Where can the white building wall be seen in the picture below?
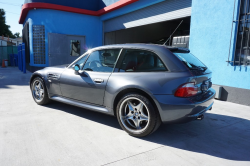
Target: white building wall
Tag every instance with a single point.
(3, 43)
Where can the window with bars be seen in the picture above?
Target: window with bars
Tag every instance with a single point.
(39, 44)
(242, 45)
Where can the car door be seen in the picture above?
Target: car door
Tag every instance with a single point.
(88, 85)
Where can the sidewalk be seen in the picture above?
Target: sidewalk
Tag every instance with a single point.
(60, 134)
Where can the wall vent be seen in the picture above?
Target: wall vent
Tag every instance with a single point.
(39, 44)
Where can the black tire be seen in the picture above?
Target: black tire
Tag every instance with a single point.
(154, 120)
(43, 100)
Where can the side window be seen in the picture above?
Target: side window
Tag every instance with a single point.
(102, 60)
(141, 61)
(81, 61)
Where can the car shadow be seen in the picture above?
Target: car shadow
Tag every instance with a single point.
(87, 114)
(220, 136)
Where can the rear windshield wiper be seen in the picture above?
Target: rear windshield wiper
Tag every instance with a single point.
(199, 68)
(204, 68)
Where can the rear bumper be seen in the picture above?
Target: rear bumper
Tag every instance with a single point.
(202, 112)
(180, 110)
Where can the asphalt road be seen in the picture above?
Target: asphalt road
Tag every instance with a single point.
(60, 134)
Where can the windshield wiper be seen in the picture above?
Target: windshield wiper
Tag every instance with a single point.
(199, 68)
(204, 68)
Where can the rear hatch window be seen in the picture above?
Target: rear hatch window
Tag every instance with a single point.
(191, 61)
(198, 69)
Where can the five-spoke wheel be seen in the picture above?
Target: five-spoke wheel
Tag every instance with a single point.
(39, 91)
(134, 114)
(137, 115)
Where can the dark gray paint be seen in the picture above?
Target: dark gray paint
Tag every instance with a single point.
(80, 104)
(82, 91)
(82, 87)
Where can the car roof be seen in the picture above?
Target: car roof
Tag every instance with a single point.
(154, 47)
(132, 45)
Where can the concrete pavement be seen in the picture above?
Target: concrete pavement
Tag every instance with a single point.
(60, 134)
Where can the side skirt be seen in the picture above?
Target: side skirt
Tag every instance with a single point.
(82, 105)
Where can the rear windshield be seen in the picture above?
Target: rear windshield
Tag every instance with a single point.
(191, 61)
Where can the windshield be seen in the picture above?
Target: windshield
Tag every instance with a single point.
(80, 61)
(191, 61)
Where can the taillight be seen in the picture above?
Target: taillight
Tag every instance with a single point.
(186, 90)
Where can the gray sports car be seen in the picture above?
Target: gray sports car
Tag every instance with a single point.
(142, 85)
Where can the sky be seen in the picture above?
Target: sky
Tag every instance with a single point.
(12, 13)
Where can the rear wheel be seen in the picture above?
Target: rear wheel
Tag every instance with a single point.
(39, 91)
(137, 116)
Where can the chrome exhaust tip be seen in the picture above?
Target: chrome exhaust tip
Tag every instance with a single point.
(200, 117)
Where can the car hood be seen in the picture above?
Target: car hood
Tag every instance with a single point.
(52, 70)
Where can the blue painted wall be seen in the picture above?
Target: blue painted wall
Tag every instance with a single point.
(210, 39)
(96, 5)
(75, 24)
(83, 4)
(209, 36)
(65, 23)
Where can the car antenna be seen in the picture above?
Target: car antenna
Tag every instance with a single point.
(173, 33)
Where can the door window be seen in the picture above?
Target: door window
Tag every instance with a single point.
(102, 60)
(141, 61)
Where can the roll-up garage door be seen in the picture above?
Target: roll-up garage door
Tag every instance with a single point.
(163, 11)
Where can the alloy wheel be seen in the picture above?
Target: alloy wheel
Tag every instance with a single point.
(134, 114)
(38, 90)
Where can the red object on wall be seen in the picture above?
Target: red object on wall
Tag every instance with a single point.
(3, 63)
(29, 6)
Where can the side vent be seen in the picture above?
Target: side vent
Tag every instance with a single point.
(52, 76)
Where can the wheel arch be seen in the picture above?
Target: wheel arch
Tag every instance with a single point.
(34, 76)
(133, 90)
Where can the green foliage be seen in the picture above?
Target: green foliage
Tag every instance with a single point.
(4, 29)
(17, 34)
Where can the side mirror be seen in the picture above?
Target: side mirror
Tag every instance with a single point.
(77, 69)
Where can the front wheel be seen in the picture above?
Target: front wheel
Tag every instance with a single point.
(137, 116)
(39, 91)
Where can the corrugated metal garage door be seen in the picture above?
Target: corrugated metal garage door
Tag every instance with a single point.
(164, 11)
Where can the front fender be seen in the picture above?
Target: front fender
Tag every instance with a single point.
(36, 74)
